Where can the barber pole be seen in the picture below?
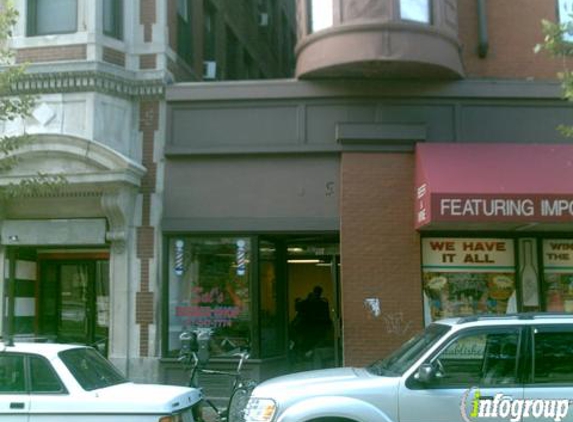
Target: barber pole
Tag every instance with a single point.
(241, 257)
(179, 253)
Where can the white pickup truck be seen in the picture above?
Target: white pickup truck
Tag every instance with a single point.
(42, 382)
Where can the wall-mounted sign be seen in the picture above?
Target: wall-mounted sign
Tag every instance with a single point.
(492, 208)
(558, 254)
(441, 253)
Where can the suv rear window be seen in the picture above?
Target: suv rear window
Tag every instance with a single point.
(90, 369)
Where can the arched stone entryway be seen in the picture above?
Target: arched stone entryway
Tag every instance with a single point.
(94, 211)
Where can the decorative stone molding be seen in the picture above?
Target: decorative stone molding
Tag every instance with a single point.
(90, 166)
(88, 81)
(118, 206)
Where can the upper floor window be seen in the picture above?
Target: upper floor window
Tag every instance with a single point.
(113, 18)
(185, 31)
(320, 14)
(565, 12)
(415, 10)
(209, 31)
(51, 17)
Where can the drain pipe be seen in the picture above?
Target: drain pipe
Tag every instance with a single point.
(483, 42)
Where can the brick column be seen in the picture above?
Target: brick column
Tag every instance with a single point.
(144, 311)
(147, 17)
(380, 254)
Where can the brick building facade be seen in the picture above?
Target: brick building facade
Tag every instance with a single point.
(89, 259)
(324, 171)
(201, 198)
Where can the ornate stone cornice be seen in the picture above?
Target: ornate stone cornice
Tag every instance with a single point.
(88, 81)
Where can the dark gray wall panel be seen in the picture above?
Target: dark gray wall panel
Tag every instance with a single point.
(321, 119)
(234, 125)
(514, 123)
(438, 119)
(276, 187)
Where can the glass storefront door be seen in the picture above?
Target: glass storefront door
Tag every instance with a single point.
(74, 301)
(313, 274)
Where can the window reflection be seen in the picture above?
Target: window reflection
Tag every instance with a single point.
(553, 357)
(209, 287)
(320, 14)
(415, 10)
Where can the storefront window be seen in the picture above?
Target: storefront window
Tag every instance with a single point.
(558, 274)
(209, 286)
(464, 276)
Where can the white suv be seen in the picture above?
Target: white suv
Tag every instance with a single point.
(491, 368)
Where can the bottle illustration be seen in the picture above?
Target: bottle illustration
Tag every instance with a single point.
(529, 276)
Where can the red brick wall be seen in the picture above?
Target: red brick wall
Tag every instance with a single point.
(148, 61)
(514, 28)
(380, 254)
(144, 311)
(147, 17)
(51, 54)
(113, 56)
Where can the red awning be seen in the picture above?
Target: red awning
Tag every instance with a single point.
(521, 183)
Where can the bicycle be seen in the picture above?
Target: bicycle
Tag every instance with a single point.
(195, 355)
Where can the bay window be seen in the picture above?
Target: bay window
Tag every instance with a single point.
(51, 17)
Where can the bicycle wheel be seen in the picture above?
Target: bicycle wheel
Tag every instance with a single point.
(237, 404)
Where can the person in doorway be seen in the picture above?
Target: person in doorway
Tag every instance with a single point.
(315, 323)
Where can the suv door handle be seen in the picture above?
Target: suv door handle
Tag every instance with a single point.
(16, 405)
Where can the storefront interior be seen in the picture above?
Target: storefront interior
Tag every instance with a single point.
(59, 295)
(245, 289)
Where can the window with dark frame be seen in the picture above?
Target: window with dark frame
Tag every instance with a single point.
(553, 356)
(47, 17)
(185, 31)
(113, 18)
(209, 31)
(12, 375)
(43, 379)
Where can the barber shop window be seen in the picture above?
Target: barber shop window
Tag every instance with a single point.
(51, 17)
(416, 10)
(113, 18)
(209, 287)
(319, 15)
